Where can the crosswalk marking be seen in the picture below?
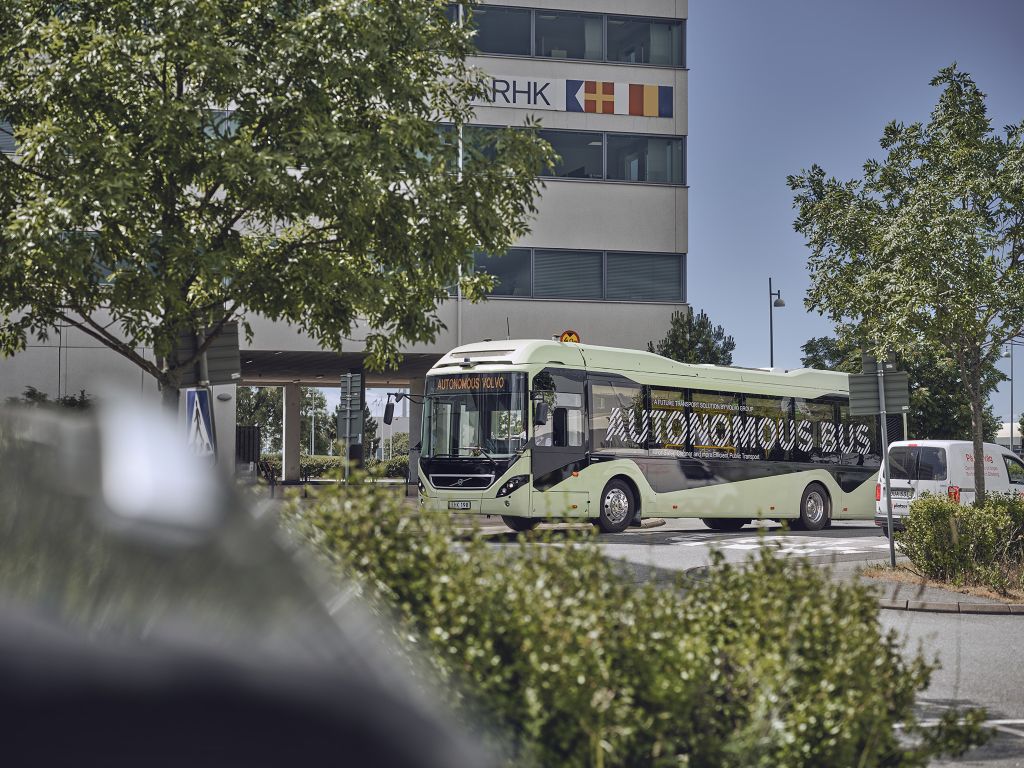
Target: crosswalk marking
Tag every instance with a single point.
(788, 546)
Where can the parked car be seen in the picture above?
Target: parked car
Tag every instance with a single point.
(945, 468)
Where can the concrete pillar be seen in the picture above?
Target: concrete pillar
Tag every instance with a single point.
(290, 433)
(224, 418)
(415, 420)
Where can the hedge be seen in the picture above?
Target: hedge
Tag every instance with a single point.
(967, 545)
(330, 466)
(562, 660)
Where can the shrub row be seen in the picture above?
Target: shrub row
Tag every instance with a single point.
(325, 466)
(559, 652)
(967, 545)
(309, 466)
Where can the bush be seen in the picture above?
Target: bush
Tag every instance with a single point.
(966, 545)
(770, 664)
(309, 466)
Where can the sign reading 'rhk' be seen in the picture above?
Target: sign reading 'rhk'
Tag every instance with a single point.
(595, 96)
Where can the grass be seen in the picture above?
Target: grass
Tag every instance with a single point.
(905, 574)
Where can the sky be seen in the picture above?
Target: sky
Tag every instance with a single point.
(778, 85)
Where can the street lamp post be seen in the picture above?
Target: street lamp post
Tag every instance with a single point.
(774, 300)
(1011, 344)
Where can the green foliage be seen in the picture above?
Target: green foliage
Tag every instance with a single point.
(396, 466)
(397, 445)
(573, 664)
(370, 439)
(34, 397)
(694, 339)
(940, 408)
(309, 466)
(967, 545)
(928, 245)
(139, 209)
(263, 407)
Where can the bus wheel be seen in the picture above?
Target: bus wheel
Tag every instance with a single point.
(815, 508)
(520, 524)
(617, 507)
(724, 523)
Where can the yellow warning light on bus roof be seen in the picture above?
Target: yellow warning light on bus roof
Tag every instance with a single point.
(570, 335)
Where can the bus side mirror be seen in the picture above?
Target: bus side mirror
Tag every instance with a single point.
(389, 413)
(541, 412)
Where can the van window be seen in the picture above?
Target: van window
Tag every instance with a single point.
(1015, 469)
(917, 463)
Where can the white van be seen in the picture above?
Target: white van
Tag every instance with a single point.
(942, 467)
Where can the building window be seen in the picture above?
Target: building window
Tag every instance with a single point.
(645, 158)
(568, 275)
(511, 272)
(6, 138)
(645, 41)
(502, 30)
(645, 277)
(581, 154)
(570, 35)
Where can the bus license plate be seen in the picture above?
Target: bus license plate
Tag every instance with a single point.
(460, 505)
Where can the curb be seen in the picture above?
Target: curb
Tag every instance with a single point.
(996, 609)
(699, 573)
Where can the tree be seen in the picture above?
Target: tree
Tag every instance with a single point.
(34, 397)
(693, 339)
(928, 247)
(939, 406)
(264, 407)
(182, 164)
(370, 439)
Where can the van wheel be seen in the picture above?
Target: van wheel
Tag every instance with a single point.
(724, 523)
(885, 531)
(815, 509)
(520, 524)
(618, 507)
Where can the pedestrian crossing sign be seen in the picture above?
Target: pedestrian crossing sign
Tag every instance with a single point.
(199, 421)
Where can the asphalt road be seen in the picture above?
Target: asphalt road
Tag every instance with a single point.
(980, 656)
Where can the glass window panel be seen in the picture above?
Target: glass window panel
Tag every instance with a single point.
(711, 424)
(6, 138)
(645, 277)
(645, 158)
(511, 272)
(1015, 470)
(858, 439)
(502, 30)
(643, 41)
(567, 275)
(668, 419)
(817, 437)
(570, 35)
(618, 419)
(580, 154)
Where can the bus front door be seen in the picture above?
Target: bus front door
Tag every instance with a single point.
(559, 444)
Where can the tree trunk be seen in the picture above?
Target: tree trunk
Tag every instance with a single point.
(169, 396)
(977, 430)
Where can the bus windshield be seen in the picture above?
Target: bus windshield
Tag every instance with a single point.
(470, 415)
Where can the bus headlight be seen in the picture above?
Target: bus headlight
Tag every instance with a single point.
(512, 484)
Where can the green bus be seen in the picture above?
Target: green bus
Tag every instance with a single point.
(536, 430)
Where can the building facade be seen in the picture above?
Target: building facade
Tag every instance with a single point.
(606, 255)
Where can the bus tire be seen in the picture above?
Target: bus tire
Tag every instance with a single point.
(617, 507)
(520, 524)
(815, 509)
(724, 523)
